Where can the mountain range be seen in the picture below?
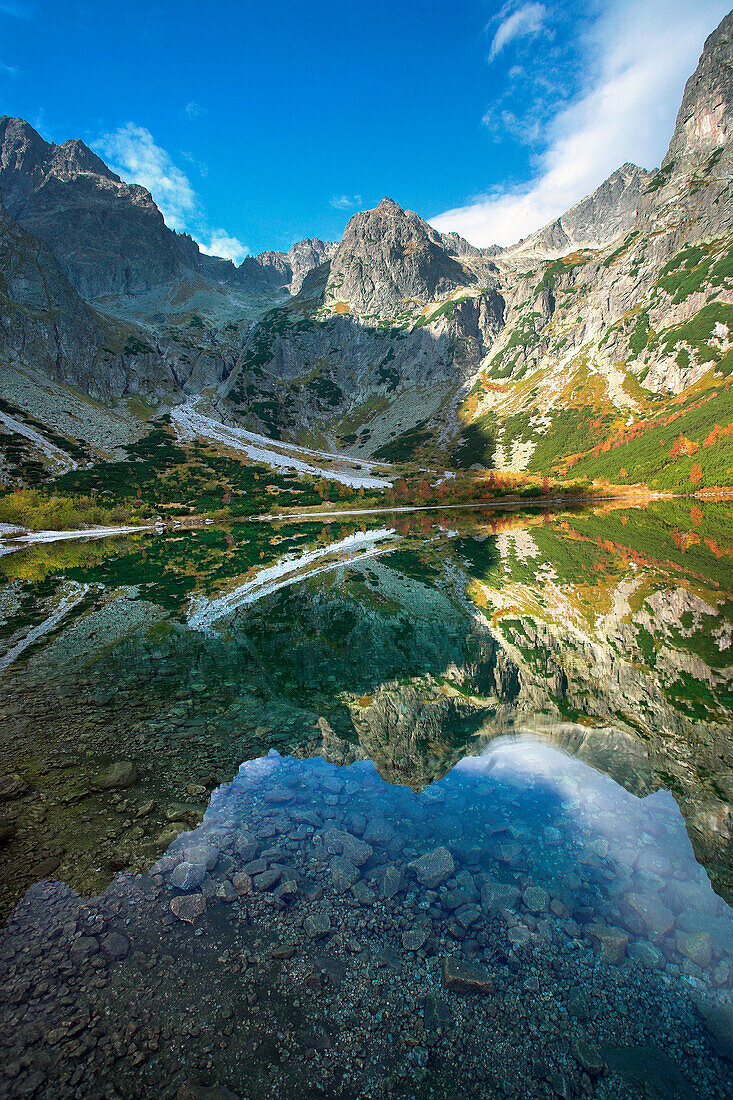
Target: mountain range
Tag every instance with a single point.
(599, 346)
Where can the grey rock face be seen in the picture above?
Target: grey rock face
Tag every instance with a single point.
(292, 267)
(45, 323)
(704, 121)
(388, 255)
(596, 220)
(108, 236)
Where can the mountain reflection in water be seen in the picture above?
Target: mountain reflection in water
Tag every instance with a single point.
(481, 836)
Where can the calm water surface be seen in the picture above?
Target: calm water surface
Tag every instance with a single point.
(431, 806)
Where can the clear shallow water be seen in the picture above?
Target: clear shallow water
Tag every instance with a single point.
(444, 823)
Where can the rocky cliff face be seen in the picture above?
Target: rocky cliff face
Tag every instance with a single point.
(704, 121)
(390, 256)
(293, 266)
(43, 321)
(609, 211)
(108, 236)
(557, 353)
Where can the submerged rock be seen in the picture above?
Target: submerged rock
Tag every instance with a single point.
(415, 938)
(696, 946)
(536, 899)
(610, 941)
(343, 873)
(588, 1058)
(187, 876)
(189, 907)
(116, 777)
(317, 925)
(434, 868)
(344, 844)
(718, 1016)
(462, 976)
(115, 945)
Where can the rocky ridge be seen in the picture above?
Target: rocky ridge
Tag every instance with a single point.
(401, 342)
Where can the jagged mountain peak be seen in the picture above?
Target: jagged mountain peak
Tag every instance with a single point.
(593, 222)
(388, 205)
(73, 157)
(389, 255)
(704, 120)
(25, 152)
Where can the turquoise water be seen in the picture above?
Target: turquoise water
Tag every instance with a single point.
(436, 810)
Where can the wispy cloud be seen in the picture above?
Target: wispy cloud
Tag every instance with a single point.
(524, 21)
(16, 10)
(193, 111)
(9, 70)
(221, 244)
(638, 54)
(345, 202)
(200, 165)
(132, 152)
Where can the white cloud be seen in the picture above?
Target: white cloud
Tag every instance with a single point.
(193, 110)
(523, 22)
(132, 153)
(345, 202)
(640, 53)
(221, 244)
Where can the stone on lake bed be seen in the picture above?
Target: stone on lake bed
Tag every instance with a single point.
(536, 899)
(467, 915)
(343, 873)
(83, 948)
(189, 907)
(718, 1016)
(696, 946)
(246, 848)
(646, 955)
(362, 893)
(611, 942)
(187, 876)
(115, 945)
(279, 796)
(499, 895)
(242, 883)
(588, 1058)
(317, 925)
(378, 831)
(647, 913)
(463, 976)
(202, 853)
(391, 881)
(267, 879)
(116, 777)
(256, 866)
(342, 843)
(415, 938)
(434, 868)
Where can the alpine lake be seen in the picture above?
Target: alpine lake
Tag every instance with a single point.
(423, 805)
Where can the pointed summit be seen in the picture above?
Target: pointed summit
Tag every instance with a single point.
(389, 254)
(704, 120)
(74, 157)
(388, 205)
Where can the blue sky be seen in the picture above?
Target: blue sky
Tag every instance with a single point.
(257, 125)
